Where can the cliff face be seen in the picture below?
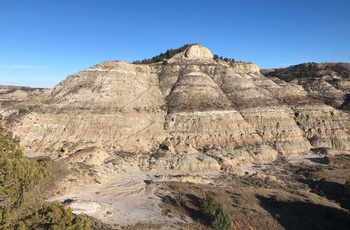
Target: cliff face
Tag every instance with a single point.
(191, 104)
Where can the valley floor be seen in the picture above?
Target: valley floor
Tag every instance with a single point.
(299, 192)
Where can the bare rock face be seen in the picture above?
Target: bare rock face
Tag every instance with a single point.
(324, 126)
(196, 113)
(113, 103)
(196, 51)
(277, 128)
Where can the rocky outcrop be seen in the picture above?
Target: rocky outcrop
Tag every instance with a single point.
(324, 126)
(211, 130)
(194, 51)
(277, 128)
(198, 113)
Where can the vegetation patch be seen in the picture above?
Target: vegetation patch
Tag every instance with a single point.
(310, 71)
(163, 56)
(222, 220)
(281, 196)
(277, 200)
(209, 204)
(20, 179)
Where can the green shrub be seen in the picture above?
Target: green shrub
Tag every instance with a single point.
(19, 177)
(222, 220)
(181, 200)
(52, 215)
(277, 200)
(209, 204)
(22, 111)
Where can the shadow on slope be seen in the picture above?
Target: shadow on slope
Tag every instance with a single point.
(304, 215)
(328, 189)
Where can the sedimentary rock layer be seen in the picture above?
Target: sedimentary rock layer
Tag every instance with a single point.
(190, 104)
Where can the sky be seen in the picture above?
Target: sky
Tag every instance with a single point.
(42, 42)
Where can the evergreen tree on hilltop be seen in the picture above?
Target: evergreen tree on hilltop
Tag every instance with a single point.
(167, 55)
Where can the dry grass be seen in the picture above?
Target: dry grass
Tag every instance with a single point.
(303, 196)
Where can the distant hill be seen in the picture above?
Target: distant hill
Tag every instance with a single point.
(327, 82)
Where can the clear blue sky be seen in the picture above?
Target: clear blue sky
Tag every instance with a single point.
(43, 41)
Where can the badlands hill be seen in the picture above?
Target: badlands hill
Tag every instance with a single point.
(117, 122)
(191, 104)
(327, 82)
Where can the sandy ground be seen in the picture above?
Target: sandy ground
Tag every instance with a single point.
(127, 198)
(252, 168)
(122, 200)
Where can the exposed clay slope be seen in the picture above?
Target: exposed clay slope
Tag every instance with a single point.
(115, 104)
(325, 127)
(190, 104)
